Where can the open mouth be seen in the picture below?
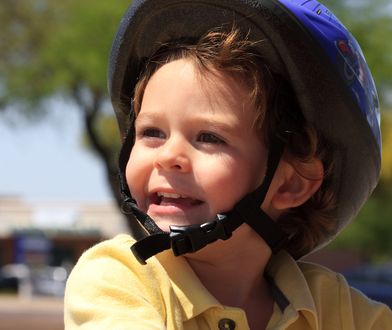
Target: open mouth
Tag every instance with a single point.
(173, 199)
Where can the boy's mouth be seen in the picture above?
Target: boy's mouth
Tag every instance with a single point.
(173, 199)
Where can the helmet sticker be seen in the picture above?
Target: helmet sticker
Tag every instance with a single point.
(355, 72)
(345, 54)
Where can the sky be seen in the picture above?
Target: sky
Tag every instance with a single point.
(45, 160)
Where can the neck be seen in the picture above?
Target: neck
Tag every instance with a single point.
(234, 273)
(232, 285)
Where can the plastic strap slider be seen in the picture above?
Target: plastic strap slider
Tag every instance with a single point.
(186, 239)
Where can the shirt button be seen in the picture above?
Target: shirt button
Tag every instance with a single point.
(226, 324)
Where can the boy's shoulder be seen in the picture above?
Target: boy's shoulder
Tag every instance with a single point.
(114, 256)
(116, 250)
(326, 295)
(111, 264)
(314, 273)
(326, 285)
(332, 293)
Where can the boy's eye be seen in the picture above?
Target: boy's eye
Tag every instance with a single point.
(210, 138)
(153, 133)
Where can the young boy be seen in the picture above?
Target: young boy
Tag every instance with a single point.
(253, 138)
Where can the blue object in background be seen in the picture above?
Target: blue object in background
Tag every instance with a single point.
(374, 281)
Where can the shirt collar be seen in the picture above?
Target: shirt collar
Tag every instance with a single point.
(282, 268)
(288, 277)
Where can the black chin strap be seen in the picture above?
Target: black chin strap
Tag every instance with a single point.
(188, 239)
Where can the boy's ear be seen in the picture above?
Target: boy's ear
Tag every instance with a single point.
(296, 182)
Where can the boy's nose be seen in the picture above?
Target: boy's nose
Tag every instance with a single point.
(173, 155)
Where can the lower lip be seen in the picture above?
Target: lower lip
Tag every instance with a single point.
(171, 209)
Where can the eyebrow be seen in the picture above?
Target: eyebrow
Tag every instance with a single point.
(147, 116)
(220, 125)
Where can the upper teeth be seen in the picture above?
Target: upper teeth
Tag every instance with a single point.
(168, 195)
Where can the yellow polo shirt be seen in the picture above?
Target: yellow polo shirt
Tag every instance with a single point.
(109, 289)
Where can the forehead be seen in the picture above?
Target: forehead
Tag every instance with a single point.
(215, 85)
(181, 85)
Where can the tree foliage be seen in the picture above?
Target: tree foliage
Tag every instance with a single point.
(61, 48)
(370, 232)
(56, 47)
(386, 127)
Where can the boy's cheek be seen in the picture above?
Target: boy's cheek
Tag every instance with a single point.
(133, 181)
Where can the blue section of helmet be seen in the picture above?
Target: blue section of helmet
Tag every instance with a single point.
(344, 53)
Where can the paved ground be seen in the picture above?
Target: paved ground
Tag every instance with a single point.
(32, 314)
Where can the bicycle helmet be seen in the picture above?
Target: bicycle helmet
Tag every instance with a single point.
(307, 45)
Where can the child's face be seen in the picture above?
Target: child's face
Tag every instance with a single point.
(196, 153)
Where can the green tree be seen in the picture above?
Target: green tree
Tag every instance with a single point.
(386, 127)
(370, 232)
(60, 49)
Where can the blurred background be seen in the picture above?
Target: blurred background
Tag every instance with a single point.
(59, 146)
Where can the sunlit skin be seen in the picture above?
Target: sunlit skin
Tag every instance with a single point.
(196, 152)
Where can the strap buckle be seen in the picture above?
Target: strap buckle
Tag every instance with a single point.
(187, 239)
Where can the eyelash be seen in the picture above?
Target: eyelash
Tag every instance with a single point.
(212, 138)
(151, 133)
(203, 137)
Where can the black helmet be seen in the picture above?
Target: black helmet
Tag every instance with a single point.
(316, 54)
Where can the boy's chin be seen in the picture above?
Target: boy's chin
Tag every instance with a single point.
(164, 222)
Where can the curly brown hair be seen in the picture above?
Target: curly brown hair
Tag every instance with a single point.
(274, 101)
